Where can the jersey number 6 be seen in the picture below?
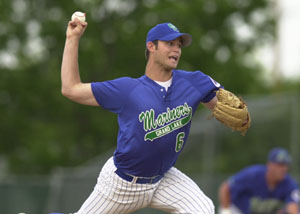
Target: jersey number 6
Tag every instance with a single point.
(179, 141)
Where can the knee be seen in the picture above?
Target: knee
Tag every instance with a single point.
(206, 206)
(210, 207)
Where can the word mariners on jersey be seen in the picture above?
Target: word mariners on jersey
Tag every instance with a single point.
(179, 116)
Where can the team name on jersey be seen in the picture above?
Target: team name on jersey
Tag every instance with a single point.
(268, 206)
(156, 127)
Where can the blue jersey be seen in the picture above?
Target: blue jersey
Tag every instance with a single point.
(250, 193)
(153, 123)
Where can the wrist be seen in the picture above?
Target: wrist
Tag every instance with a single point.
(73, 38)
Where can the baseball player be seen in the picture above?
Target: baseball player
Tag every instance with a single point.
(154, 117)
(258, 189)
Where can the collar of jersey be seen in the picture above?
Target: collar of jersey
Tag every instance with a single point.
(152, 82)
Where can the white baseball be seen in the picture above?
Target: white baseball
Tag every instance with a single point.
(79, 15)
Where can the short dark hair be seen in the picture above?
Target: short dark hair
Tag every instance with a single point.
(147, 52)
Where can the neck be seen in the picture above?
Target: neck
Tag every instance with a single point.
(157, 73)
(271, 182)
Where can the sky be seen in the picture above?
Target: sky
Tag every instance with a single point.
(284, 57)
(289, 38)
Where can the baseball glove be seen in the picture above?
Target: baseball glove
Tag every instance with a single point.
(232, 111)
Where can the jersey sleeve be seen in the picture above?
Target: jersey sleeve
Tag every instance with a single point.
(112, 94)
(293, 194)
(206, 85)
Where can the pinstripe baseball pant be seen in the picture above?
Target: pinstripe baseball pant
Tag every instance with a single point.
(174, 193)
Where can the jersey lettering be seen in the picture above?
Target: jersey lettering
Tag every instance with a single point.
(267, 206)
(175, 118)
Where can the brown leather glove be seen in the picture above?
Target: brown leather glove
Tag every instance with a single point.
(232, 111)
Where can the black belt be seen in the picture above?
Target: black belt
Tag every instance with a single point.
(139, 180)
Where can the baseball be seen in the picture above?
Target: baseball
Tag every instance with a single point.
(79, 15)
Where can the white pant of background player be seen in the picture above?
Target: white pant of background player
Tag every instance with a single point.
(174, 193)
(230, 210)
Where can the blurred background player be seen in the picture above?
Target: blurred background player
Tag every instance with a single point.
(261, 189)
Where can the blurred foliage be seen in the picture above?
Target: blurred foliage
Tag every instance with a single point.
(40, 129)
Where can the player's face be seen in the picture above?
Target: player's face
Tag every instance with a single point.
(278, 170)
(168, 53)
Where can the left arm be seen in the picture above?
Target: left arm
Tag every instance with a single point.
(292, 208)
(211, 104)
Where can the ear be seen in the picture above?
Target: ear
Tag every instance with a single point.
(150, 46)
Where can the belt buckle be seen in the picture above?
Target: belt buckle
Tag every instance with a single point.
(151, 180)
(148, 180)
(134, 179)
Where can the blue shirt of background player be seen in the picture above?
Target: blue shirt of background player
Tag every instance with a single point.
(130, 97)
(250, 193)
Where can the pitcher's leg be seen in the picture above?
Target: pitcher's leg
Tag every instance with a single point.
(113, 194)
(177, 193)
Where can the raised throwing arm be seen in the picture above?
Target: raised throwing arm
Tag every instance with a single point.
(72, 87)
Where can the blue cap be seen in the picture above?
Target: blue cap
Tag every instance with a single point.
(168, 32)
(279, 155)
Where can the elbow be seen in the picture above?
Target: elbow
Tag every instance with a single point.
(66, 92)
(71, 93)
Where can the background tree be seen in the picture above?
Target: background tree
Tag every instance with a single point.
(40, 129)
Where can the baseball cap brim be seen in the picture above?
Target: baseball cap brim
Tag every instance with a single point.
(186, 38)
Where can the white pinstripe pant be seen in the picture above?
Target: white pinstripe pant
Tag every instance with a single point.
(174, 193)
